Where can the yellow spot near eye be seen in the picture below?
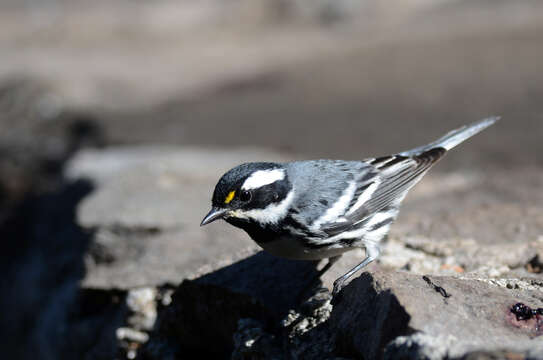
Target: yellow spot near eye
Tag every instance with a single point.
(229, 197)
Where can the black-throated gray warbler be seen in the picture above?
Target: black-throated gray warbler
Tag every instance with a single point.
(319, 209)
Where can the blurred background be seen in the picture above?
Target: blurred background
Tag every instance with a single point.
(93, 91)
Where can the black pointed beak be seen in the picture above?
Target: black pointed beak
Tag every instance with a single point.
(213, 215)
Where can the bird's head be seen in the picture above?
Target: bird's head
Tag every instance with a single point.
(259, 192)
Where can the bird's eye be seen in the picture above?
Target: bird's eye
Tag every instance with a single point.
(245, 195)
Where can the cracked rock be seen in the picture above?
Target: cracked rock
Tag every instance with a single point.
(405, 315)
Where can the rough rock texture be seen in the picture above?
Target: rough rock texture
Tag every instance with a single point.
(333, 78)
(229, 294)
(146, 212)
(469, 315)
(149, 200)
(386, 314)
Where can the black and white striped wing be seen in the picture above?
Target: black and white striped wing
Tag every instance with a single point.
(381, 191)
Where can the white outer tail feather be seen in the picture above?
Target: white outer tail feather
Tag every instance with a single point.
(454, 137)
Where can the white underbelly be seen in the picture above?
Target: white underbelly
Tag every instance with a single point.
(292, 249)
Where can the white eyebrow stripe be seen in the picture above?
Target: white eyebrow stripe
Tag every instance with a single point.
(263, 177)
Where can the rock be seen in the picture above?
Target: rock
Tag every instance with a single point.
(149, 201)
(43, 311)
(422, 255)
(129, 334)
(332, 79)
(144, 214)
(142, 303)
(252, 342)
(419, 346)
(146, 187)
(146, 211)
(494, 207)
(261, 287)
(410, 317)
(93, 328)
(305, 329)
(383, 314)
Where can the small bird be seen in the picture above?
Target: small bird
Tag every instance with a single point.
(320, 209)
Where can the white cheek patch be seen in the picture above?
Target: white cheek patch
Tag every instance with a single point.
(271, 214)
(263, 177)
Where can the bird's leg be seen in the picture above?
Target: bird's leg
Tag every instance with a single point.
(372, 252)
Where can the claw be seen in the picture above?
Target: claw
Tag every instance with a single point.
(338, 285)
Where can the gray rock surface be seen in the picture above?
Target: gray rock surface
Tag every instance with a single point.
(148, 202)
(471, 315)
(382, 314)
(146, 211)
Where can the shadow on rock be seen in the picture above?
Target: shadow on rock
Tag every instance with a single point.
(380, 315)
(261, 287)
(41, 265)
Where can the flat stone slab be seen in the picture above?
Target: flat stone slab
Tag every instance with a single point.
(476, 237)
(154, 186)
(146, 211)
(149, 200)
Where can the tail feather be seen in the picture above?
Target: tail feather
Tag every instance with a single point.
(454, 137)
